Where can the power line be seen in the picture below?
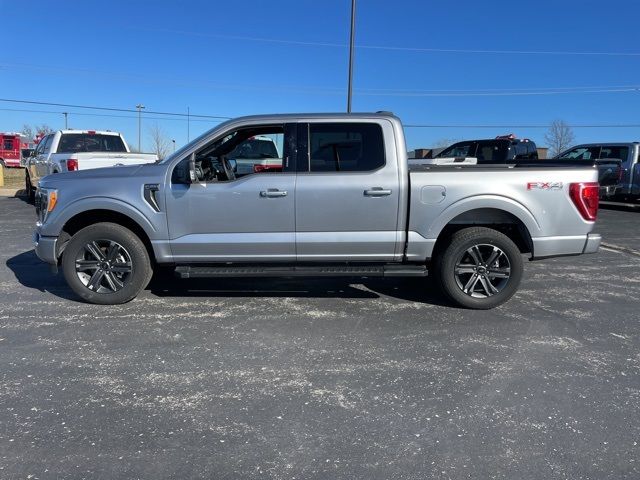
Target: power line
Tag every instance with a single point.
(387, 47)
(112, 109)
(383, 92)
(106, 115)
(408, 125)
(618, 125)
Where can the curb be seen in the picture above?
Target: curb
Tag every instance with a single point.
(12, 192)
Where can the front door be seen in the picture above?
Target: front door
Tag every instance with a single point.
(347, 192)
(247, 218)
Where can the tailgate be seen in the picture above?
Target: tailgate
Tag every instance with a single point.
(98, 159)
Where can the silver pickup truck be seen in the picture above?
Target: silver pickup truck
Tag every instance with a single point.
(343, 202)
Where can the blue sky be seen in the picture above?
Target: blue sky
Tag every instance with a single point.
(254, 56)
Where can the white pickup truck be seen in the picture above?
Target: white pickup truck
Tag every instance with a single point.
(69, 150)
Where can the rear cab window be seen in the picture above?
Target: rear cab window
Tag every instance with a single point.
(87, 142)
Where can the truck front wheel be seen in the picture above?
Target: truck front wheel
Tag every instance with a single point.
(106, 264)
(480, 268)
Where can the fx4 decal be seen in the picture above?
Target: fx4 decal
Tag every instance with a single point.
(544, 186)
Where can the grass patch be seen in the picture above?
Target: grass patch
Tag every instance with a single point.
(13, 177)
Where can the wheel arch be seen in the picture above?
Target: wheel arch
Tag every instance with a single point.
(495, 218)
(86, 218)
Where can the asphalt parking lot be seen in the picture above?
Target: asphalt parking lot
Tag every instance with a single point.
(322, 378)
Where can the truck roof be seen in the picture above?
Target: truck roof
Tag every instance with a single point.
(90, 132)
(315, 116)
(594, 144)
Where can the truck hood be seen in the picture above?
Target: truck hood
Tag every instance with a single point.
(106, 173)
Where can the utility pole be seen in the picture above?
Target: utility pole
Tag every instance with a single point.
(352, 39)
(65, 120)
(140, 107)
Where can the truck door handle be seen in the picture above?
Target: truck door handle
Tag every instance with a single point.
(377, 192)
(273, 192)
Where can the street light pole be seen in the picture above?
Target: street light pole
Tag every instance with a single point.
(140, 107)
(351, 48)
(65, 120)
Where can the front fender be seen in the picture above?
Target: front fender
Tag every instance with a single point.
(54, 224)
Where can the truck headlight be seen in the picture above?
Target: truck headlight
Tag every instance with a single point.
(46, 201)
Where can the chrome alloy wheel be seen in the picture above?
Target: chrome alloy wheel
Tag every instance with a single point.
(482, 271)
(103, 266)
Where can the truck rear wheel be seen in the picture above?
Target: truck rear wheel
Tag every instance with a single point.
(480, 268)
(106, 264)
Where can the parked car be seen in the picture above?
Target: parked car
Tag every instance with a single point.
(345, 203)
(256, 154)
(618, 165)
(69, 150)
(499, 150)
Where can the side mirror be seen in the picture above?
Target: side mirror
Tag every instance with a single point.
(193, 178)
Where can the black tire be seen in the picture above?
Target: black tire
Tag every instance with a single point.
(123, 277)
(467, 261)
(31, 192)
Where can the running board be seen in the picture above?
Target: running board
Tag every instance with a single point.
(302, 271)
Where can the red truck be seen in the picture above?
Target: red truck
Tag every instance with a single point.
(10, 149)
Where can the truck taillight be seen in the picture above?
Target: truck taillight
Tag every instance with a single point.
(585, 197)
(72, 165)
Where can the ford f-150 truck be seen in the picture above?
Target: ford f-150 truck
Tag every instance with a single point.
(619, 167)
(69, 150)
(343, 203)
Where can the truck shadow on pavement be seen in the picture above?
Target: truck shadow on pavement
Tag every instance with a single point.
(165, 284)
(32, 273)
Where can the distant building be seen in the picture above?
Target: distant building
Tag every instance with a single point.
(542, 152)
(424, 152)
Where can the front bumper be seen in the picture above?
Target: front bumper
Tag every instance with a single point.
(46, 248)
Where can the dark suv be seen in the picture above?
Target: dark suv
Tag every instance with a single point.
(502, 149)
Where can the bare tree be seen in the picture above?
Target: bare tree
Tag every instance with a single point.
(27, 132)
(31, 132)
(160, 142)
(559, 137)
(43, 129)
(445, 142)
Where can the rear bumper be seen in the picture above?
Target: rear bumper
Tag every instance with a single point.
(593, 243)
(46, 248)
(547, 247)
(11, 162)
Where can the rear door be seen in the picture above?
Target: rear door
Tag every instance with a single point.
(347, 192)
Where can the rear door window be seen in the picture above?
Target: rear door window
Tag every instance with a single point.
(615, 152)
(345, 147)
(87, 142)
(491, 151)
